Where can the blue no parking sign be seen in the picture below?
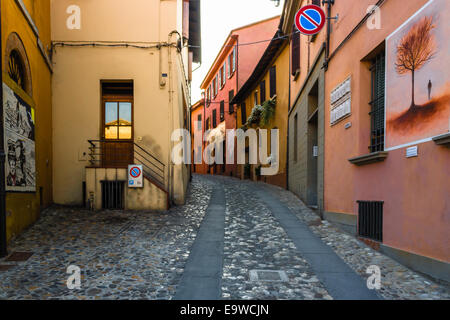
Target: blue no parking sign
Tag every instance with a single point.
(310, 19)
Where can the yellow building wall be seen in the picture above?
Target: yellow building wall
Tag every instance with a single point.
(77, 90)
(281, 114)
(23, 208)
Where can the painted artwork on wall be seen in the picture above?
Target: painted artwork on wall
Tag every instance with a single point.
(20, 169)
(418, 77)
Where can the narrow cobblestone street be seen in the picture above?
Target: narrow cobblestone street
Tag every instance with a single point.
(143, 255)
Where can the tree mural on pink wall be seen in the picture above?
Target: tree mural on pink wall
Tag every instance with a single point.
(416, 48)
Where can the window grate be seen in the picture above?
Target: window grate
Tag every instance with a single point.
(377, 104)
(370, 220)
(113, 195)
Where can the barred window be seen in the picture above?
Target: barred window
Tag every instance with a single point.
(377, 103)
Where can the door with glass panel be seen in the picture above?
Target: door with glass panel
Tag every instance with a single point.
(117, 144)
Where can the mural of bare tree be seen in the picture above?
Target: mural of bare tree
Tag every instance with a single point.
(415, 49)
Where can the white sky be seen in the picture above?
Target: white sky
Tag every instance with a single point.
(219, 17)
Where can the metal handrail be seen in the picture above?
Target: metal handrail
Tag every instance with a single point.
(153, 167)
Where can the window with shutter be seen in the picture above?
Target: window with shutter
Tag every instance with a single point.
(229, 66)
(224, 78)
(377, 103)
(262, 91)
(230, 97)
(199, 122)
(208, 96)
(295, 54)
(220, 78)
(273, 81)
(243, 113)
(255, 98)
(234, 59)
(214, 118)
(217, 85)
(207, 124)
(222, 110)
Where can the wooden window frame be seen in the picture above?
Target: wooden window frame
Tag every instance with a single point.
(273, 81)
(262, 91)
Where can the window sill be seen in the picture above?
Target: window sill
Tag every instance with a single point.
(369, 158)
(296, 74)
(442, 140)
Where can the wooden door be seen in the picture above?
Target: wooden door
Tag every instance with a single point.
(117, 130)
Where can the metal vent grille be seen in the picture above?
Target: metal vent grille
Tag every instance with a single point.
(268, 275)
(113, 195)
(370, 220)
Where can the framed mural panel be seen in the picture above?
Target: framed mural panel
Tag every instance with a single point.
(19, 123)
(418, 77)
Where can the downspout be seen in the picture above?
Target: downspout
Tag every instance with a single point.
(289, 107)
(237, 90)
(3, 246)
(327, 48)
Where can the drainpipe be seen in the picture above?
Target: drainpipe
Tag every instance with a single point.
(327, 49)
(288, 109)
(3, 246)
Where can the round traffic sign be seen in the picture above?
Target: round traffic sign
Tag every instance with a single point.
(310, 19)
(135, 172)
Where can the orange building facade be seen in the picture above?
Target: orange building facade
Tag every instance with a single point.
(197, 128)
(386, 153)
(232, 67)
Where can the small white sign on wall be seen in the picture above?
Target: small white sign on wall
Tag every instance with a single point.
(341, 101)
(135, 176)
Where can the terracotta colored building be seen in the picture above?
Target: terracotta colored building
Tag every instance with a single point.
(306, 113)
(267, 89)
(231, 69)
(387, 124)
(197, 128)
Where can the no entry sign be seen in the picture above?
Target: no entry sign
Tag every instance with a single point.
(310, 19)
(135, 176)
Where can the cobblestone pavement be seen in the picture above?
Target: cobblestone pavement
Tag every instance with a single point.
(141, 255)
(397, 281)
(254, 240)
(122, 255)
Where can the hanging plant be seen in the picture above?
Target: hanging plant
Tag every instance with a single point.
(255, 116)
(268, 111)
